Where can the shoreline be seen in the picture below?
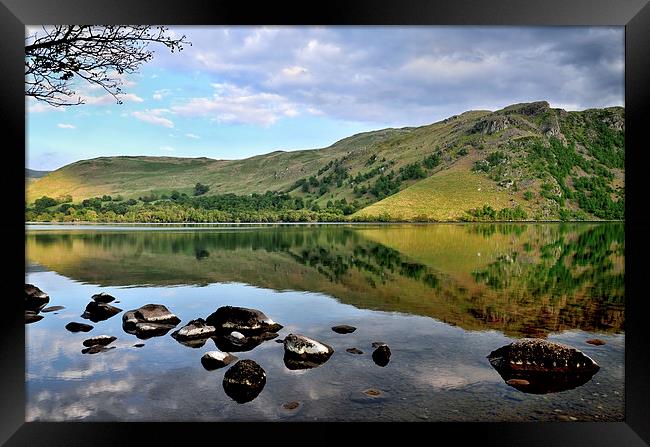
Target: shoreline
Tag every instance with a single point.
(87, 223)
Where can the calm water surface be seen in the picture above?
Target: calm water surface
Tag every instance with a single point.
(442, 296)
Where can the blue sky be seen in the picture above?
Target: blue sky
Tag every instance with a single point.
(242, 91)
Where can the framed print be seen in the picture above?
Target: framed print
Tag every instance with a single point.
(426, 214)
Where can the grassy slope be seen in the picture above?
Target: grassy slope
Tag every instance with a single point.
(448, 192)
(442, 197)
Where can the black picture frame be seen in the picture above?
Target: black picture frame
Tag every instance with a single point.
(633, 14)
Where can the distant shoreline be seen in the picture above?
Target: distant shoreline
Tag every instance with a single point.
(72, 224)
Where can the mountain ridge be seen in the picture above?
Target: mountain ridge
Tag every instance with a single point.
(571, 162)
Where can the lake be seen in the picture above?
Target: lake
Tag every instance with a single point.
(441, 296)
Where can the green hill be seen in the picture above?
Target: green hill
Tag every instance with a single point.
(547, 163)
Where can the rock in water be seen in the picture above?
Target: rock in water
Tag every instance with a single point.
(595, 341)
(97, 312)
(32, 317)
(237, 342)
(195, 329)
(78, 327)
(216, 359)
(52, 309)
(354, 351)
(103, 297)
(241, 319)
(381, 355)
(100, 340)
(156, 313)
(150, 320)
(302, 352)
(344, 329)
(548, 367)
(244, 381)
(35, 298)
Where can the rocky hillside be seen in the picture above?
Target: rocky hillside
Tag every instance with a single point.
(526, 161)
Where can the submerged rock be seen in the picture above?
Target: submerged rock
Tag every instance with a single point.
(595, 341)
(150, 320)
(291, 405)
(216, 359)
(103, 297)
(35, 298)
(301, 352)
(241, 319)
(381, 355)
(78, 327)
(52, 309)
(354, 351)
(138, 345)
(548, 367)
(97, 312)
(343, 329)
(100, 340)
(244, 381)
(195, 329)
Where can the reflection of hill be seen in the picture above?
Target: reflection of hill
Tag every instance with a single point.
(529, 280)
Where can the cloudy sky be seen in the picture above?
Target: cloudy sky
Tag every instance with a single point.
(242, 91)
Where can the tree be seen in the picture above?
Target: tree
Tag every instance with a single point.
(200, 189)
(97, 54)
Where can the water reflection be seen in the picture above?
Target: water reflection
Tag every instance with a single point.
(523, 280)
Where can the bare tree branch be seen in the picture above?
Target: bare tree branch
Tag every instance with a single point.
(97, 54)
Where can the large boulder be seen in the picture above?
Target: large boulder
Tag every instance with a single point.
(247, 321)
(150, 320)
(539, 366)
(97, 312)
(216, 359)
(32, 317)
(35, 298)
(244, 381)
(301, 352)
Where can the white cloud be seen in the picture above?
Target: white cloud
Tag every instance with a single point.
(191, 135)
(66, 126)
(167, 149)
(232, 104)
(294, 71)
(153, 116)
(109, 99)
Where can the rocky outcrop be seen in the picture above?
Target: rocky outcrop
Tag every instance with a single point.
(150, 320)
(244, 381)
(547, 366)
(301, 352)
(247, 321)
(97, 312)
(78, 327)
(216, 359)
(103, 298)
(381, 355)
(493, 124)
(344, 329)
(100, 340)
